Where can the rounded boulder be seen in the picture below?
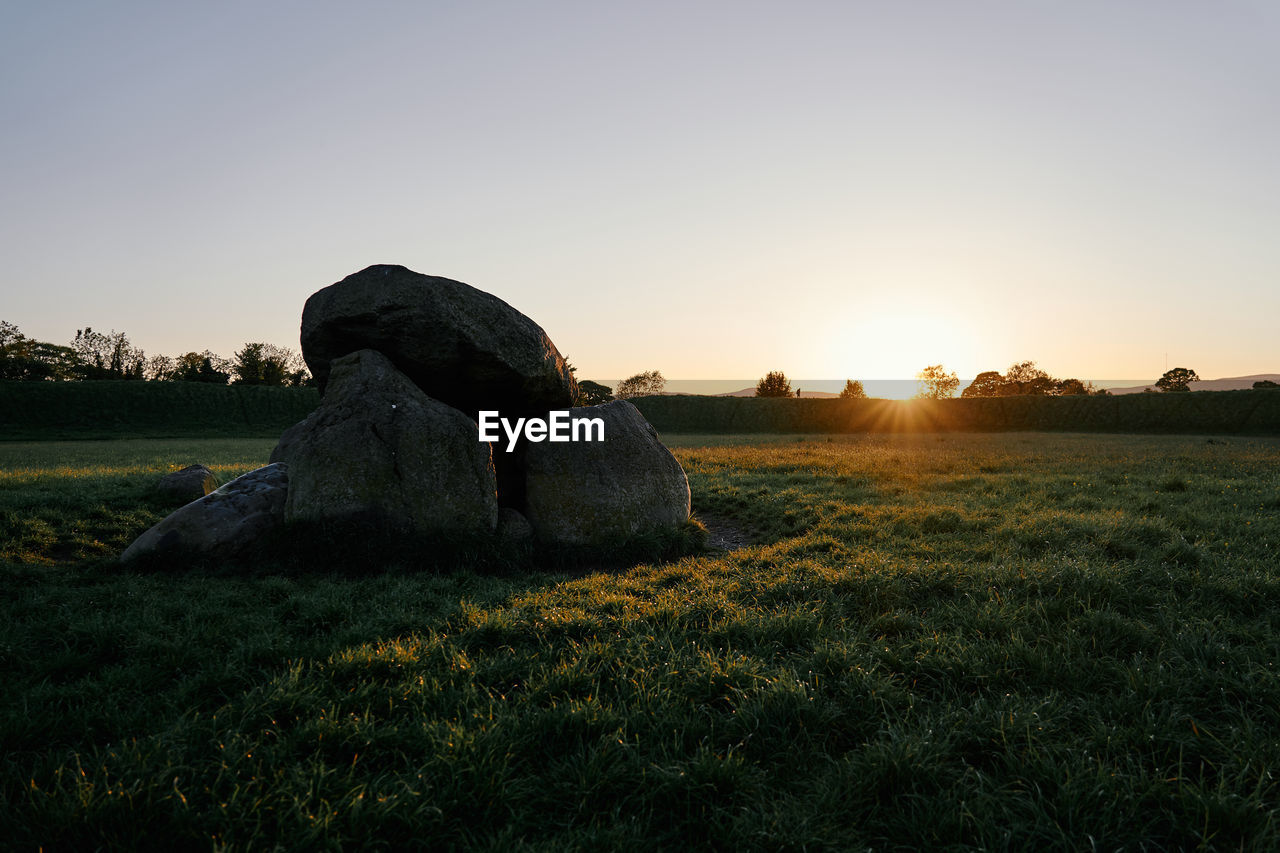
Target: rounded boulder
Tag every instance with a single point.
(604, 492)
(226, 521)
(187, 484)
(460, 345)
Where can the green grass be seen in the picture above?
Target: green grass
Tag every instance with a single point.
(74, 500)
(960, 641)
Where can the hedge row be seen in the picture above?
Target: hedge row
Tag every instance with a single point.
(115, 409)
(39, 410)
(1245, 412)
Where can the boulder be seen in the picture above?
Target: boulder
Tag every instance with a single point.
(380, 451)
(513, 526)
(226, 521)
(602, 492)
(289, 438)
(460, 345)
(187, 484)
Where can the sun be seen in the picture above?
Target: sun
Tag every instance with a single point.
(899, 344)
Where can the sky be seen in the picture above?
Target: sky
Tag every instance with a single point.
(710, 189)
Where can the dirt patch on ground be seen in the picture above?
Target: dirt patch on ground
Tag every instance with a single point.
(726, 534)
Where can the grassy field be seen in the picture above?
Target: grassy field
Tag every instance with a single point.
(958, 641)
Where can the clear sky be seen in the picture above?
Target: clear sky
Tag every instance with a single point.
(710, 189)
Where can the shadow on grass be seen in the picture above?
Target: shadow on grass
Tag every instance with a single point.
(126, 650)
(361, 549)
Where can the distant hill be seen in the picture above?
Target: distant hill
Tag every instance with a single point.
(751, 392)
(1230, 383)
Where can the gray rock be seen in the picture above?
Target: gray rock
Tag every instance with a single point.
(225, 521)
(460, 345)
(378, 450)
(288, 439)
(187, 484)
(513, 526)
(601, 492)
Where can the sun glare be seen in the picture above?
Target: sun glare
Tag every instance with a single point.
(891, 345)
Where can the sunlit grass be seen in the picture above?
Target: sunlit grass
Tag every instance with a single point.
(76, 500)
(965, 641)
(24, 462)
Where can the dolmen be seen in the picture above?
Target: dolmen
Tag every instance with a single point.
(444, 414)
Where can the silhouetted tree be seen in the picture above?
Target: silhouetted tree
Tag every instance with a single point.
(936, 383)
(248, 365)
(1177, 379)
(267, 364)
(774, 384)
(160, 368)
(46, 361)
(593, 393)
(988, 383)
(13, 351)
(1265, 384)
(9, 334)
(202, 367)
(853, 390)
(1071, 388)
(107, 356)
(1025, 379)
(24, 358)
(211, 371)
(641, 385)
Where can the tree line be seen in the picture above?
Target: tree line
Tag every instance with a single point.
(1023, 379)
(94, 355)
(936, 382)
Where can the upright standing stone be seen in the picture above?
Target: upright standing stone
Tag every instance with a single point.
(379, 450)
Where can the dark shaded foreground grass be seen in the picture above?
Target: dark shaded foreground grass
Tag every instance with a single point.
(993, 642)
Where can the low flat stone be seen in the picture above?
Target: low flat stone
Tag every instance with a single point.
(188, 484)
(226, 521)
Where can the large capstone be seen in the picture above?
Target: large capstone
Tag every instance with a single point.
(603, 492)
(378, 451)
(460, 345)
(224, 522)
